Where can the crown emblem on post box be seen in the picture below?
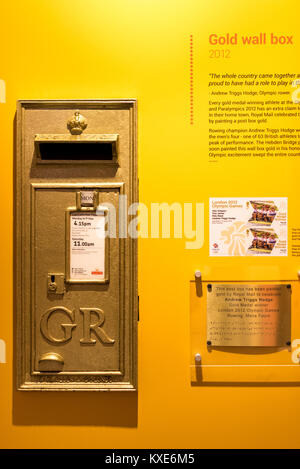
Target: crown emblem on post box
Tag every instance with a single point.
(77, 124)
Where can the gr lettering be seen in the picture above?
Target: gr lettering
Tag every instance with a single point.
(88, 328)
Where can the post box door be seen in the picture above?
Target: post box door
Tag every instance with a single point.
(76, 266)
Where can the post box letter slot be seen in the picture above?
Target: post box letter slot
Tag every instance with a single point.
(63, 148)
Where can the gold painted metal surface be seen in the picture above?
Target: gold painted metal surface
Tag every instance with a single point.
(248, 315)
(70, 335)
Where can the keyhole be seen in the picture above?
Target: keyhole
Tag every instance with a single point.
(52, 278)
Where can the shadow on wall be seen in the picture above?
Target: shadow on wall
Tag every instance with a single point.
(117, 409)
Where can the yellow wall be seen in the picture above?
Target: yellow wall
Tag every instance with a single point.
(140, 49)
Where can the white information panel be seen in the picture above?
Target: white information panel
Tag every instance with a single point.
(87, 246)
(254, 226)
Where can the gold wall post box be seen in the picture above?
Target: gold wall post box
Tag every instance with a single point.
(76, 268)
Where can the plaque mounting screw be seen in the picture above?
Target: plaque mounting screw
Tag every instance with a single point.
(288, 343)
(208, 342)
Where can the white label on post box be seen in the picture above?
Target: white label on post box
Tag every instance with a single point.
(87, 246)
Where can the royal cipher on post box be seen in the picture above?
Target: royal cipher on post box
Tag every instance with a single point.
(75, 265)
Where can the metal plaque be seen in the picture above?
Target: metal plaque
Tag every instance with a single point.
(248, 315)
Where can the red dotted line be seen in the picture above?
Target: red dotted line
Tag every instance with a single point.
(191, 79)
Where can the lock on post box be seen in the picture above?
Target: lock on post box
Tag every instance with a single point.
(76, 268)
